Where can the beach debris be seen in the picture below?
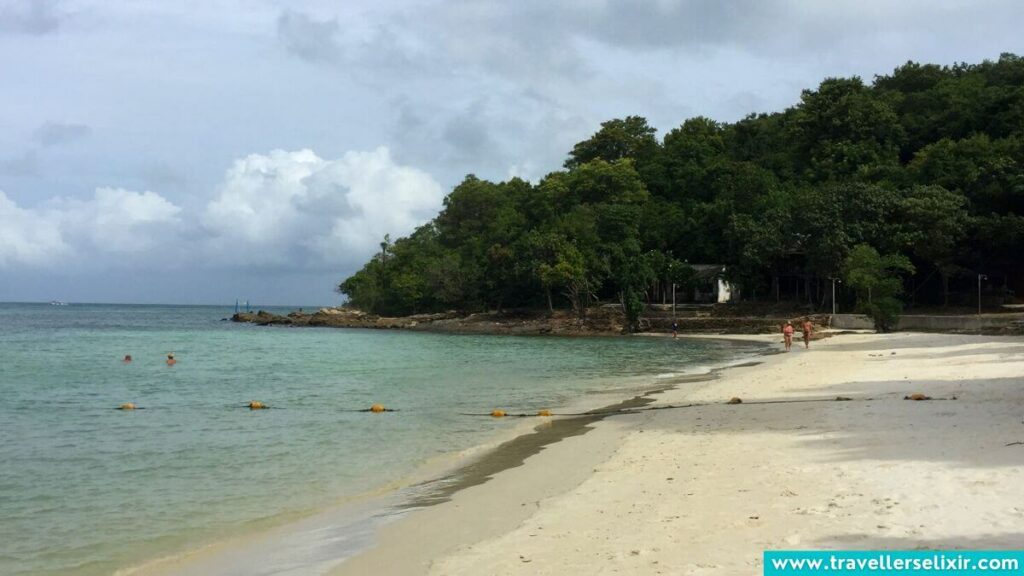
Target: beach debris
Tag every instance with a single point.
(126, 406)
(377, 408)
(544, 412)
(735, 400)
(498, 413)
(257, 405)
(917, 396)
(843, 398)
(1014, 444)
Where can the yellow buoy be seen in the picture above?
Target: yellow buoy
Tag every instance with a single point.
(735, 400)
(127, 406)
(498, 413)
(377, 408)
(257, 405)
(544, 413)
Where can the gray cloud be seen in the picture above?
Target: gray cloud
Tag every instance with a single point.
(56, 133)
(468, 135)
(309, 39)
(498, 32)
(161, 175)
(24, 165)
(34, 17)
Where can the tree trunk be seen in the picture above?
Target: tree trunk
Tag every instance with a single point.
(551, 306)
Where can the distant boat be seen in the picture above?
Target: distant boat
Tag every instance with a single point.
(58, 303)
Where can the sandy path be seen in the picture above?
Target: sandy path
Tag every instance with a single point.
(705, 490)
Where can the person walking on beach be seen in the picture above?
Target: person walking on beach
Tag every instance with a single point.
(807, 326)
(675, 329)
(787, 334)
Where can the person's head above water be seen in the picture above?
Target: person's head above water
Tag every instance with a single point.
(127, 358)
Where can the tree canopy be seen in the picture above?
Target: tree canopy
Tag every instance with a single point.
(924, 165)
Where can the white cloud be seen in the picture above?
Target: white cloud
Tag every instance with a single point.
(297, 208)
(113, 221)
(283, 209)
(27, 237)
(117, 220)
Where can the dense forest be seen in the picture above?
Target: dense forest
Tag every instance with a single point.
(907, 189)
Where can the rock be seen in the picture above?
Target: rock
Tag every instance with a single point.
(917, 396)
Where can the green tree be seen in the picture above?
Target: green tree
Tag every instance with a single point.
(617, 139)
(843, 131)
(934, 223)
(876, 279)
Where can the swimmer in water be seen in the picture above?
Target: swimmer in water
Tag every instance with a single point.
(170, 360)
(127, 359)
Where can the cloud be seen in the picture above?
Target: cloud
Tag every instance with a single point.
(33, 17)
(295, 208)
(308, 39)
(26, 164)
(27, 237)
(116, 220)
(285, 209)
(468, 135)
(55, 133)
(113, 222)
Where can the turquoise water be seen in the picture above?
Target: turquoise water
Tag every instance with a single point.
(87, 489)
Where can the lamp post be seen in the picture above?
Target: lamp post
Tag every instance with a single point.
(834, 280)
(673, 301)
(980, 278)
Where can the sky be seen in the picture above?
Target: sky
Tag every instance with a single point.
(202, 151)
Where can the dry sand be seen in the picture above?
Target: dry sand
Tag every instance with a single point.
(704, 490)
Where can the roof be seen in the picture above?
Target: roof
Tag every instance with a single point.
(707, 271)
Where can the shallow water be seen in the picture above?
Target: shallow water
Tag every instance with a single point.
(87, 489)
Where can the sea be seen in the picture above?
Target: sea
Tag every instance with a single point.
(87, 489)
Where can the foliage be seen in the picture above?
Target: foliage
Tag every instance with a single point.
(924, 165)
(876, 279)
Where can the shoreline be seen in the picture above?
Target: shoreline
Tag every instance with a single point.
(358, 518)
(599, 321)
(804, 473)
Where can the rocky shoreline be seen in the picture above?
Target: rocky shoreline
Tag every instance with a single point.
(600, 321)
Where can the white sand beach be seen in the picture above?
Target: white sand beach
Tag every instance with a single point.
(705, 489)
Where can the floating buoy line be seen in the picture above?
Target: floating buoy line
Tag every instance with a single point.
(378, 408)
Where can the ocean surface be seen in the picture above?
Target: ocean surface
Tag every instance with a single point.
(87, 489)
